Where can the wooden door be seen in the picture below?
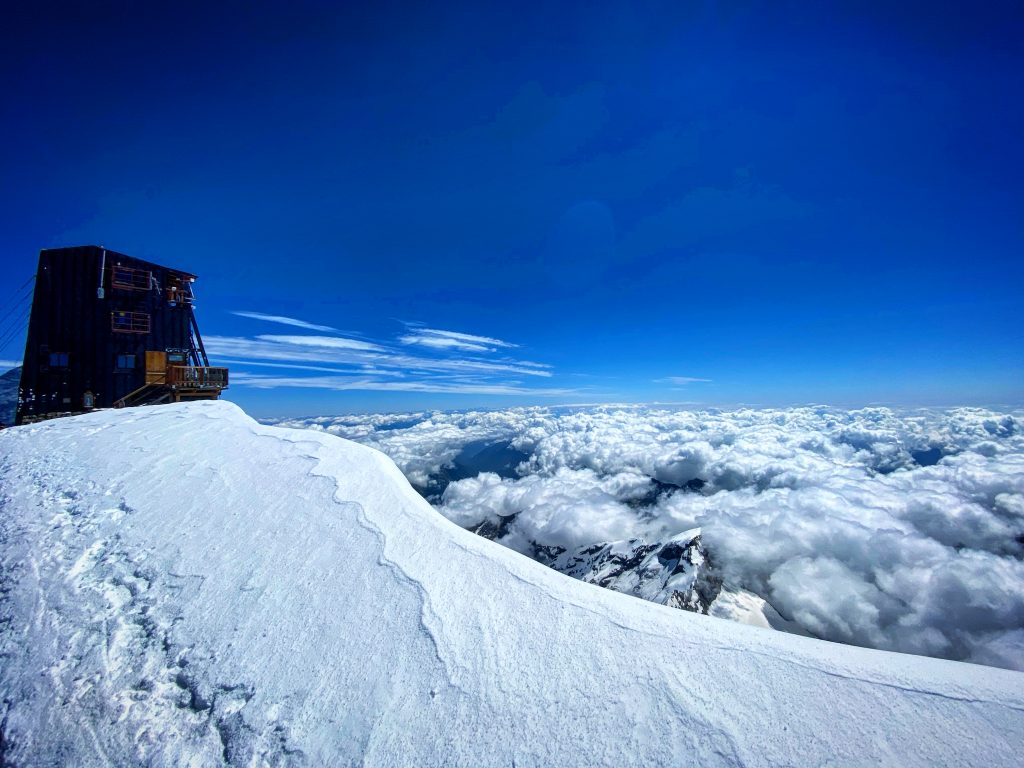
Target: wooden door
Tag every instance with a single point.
(156, 367)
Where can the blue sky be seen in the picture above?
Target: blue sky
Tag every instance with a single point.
(717, 203)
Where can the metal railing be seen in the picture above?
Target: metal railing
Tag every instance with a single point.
(131, 279)
(191, 377)
(129, 322)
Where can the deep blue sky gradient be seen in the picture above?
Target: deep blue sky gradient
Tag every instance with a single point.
(796, 204)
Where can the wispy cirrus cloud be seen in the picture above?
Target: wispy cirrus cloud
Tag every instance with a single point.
(362, 369)
(453, 340)
(324, 342)
(680, 380)
(341, 383)
(282, 320)
(311, 349)
(419, 360)
(439, 342)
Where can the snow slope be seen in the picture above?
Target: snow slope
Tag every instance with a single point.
(182, 586)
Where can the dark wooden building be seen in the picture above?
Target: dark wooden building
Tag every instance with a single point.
(108, 330)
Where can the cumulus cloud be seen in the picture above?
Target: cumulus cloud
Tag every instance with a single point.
(894, 530)
(568, 509)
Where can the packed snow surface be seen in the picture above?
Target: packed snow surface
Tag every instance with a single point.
(182, 586)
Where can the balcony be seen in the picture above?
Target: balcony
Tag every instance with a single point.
(189, 377)
(131, 279)
(129, 322)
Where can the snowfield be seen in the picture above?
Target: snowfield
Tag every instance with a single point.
(183, 586)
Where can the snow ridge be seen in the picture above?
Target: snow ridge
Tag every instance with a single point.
(198, 589)
(429, 621)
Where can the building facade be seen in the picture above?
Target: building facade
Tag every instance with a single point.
(108, 330)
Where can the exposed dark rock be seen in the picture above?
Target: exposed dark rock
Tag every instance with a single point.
(9, 382)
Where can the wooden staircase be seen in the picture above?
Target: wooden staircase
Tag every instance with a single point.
(178, 383)
(147, 394)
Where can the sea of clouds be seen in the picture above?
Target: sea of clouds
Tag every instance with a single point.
(894, 530)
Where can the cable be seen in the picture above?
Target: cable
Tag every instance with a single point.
(20, 308)
(15, 331)
(14, 307)
(19, 289)
(30, 279)
(16, 326)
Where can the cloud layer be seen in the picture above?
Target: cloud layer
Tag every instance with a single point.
(902, 531)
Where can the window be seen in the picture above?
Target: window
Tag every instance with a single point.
(176, 358)
(58, 359)
(125, 362)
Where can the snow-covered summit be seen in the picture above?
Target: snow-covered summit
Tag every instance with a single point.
(181, 585)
